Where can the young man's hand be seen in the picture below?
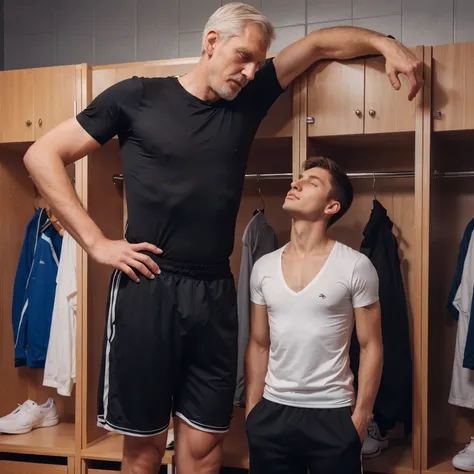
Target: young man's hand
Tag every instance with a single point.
(361, 422)
(249, 406)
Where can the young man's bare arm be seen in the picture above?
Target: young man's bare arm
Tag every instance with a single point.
(256, 357)
(346, 42)
(46, 160)
(369, 335)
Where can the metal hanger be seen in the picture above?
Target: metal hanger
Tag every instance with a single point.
(260, 196)
(373, 188)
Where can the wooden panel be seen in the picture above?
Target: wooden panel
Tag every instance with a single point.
(335, 93)
(453, 86)
(17, 194)
(54, 97)
(423, 286)
(419, 272)
(16, 106)
(300, 129)
(16, 208)
(100, 471)
(105, 206)
(267, 156)
(448, 427)
(12, 467)
(392, 112)
(279, 120)
(54, 441)
(83, 89)
(111, 448)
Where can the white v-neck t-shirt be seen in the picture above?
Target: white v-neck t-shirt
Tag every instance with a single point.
(310, 330)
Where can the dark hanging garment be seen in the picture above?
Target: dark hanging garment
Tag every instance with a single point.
(394, 399)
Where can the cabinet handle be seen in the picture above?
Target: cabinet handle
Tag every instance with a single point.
(372, 113)
(40, 122)
(310, 120)
(437, 115)
(358, 113)
(28, 123)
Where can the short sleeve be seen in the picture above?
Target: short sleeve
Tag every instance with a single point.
(256, 293)
(111, 112)
(364, 283)
(264, 89)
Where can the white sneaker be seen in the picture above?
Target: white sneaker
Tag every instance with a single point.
(464, 460)
(29, 416)
(374, 443)
(170, 439)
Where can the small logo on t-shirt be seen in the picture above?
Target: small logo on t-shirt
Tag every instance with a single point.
(322, 296)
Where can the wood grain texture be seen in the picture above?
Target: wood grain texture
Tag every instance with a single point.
(393, 111)
(17, 106)
(12, 467)
(335, 93)
(453, 86)
(54, 441)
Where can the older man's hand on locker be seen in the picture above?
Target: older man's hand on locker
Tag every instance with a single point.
(400, 60)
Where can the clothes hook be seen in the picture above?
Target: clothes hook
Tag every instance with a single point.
(260, 192)
(373, 187)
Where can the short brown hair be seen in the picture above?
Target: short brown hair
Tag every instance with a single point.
(341, 190)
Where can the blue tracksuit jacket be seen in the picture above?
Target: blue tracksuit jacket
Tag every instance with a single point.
(34, 290)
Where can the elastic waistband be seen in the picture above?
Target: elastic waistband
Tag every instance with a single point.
(213, 271)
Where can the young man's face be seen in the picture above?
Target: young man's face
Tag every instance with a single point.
(233, 63)
(309, 199)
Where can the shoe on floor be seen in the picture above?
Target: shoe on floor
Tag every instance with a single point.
(374, 443)
(170, 439)
(28, 416)
(464, 460)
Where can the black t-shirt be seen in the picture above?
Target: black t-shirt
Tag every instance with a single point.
(184, 159)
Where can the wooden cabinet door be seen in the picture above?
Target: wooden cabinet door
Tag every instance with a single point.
(336, 98)
(453, 86)
(386, 110)
(16, 106)
(54, 97)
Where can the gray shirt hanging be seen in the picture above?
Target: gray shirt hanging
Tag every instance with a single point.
(259, 239)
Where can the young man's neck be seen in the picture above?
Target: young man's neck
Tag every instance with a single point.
(195, 82)
(309, 238)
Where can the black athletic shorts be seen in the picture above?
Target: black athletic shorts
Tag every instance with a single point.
(289, 440)
(170, 345)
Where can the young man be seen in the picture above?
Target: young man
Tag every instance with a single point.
(184, 144)
(305, 298)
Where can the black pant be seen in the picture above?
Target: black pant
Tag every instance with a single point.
(289, 440)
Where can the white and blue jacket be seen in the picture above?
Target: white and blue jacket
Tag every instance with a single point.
(34, 290)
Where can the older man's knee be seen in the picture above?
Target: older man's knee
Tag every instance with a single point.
(143, 455)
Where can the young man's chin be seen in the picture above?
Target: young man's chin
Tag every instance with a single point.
(289, 206)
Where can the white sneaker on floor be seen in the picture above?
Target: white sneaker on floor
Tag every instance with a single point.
(464, 460)
(170, 439)
(374, 443)
(28, 416)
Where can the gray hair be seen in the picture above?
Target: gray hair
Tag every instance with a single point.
(230, 20)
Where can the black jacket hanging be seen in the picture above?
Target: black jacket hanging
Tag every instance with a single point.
(394, 398)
